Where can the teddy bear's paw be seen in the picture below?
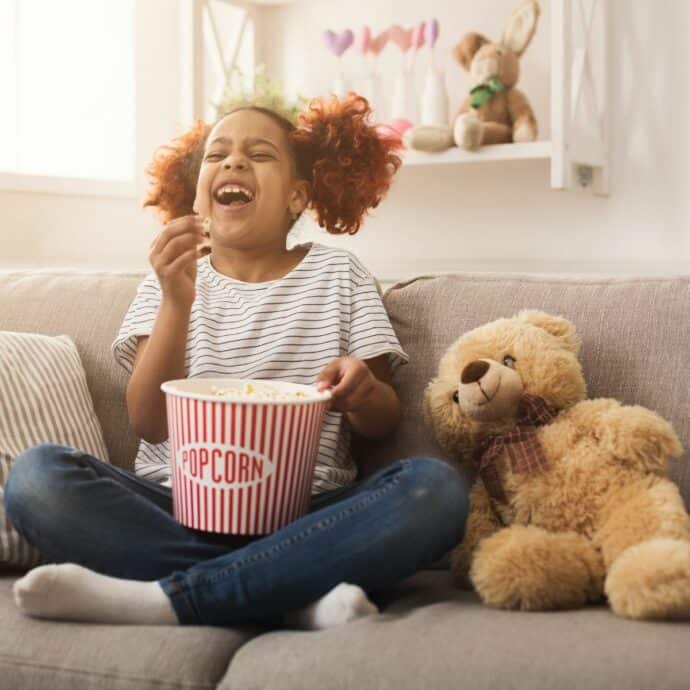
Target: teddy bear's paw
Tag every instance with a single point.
(524, 133)
(529, 568)
(640, 437)
(431, 138)
(651, 580)
(467, 132)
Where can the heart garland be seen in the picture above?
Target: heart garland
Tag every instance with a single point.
(379, 43)
(414, 37)
(338, 43)
(409, 41)
(401, 37)
(363, 40)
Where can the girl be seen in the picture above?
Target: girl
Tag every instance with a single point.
(245, 306)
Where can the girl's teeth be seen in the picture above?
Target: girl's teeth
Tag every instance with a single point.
(233, 189)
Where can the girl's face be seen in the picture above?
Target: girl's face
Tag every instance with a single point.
(246, 185)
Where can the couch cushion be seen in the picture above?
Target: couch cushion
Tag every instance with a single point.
(44, 398)
(622, 321)
(50, 655)
(435, 637)
(89, 307)
(635, 334)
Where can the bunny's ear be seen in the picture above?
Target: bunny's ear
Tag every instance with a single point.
(468, 46)
(521, 27)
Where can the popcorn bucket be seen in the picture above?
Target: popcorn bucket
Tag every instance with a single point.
(242, 463)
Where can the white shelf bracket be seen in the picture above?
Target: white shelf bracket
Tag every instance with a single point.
(191, 61)
(579, 95)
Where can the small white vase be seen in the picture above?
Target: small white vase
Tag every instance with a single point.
(372, 90)
(434, 110)
(340, 86)
(404, 104)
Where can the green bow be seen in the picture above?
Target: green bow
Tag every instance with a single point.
(482, 93)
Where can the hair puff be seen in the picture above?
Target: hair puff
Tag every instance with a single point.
(174, 171)
(348, 162)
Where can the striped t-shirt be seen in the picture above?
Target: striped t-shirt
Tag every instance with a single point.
(327, 306)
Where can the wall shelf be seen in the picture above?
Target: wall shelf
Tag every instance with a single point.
(538, 150)
(578, 145)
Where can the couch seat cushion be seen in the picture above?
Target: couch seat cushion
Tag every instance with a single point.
(50, 655)
(433, 636)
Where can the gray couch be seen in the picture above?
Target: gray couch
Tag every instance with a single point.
(636, 336)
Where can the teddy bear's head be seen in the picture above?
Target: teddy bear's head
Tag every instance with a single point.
(484, 374)
(486, 60)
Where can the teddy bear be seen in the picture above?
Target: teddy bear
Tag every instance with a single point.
(495, 112)
(571, 500)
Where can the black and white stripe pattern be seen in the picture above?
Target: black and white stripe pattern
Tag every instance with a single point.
(289, 329)
(44, 398)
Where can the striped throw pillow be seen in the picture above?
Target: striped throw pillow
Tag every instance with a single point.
(43, 399)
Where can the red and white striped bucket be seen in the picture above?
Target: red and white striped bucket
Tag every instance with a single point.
(241, 467)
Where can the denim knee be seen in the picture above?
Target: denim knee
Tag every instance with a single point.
(31, 479)
(440, 487)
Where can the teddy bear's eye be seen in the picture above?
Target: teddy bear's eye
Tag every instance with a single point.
(509, 361)
(456, 399)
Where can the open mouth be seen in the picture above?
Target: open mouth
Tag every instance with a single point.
(233, 197)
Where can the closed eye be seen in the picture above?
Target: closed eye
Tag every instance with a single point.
(219, 156)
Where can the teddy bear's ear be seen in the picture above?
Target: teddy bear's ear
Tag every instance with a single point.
(467, 48)
(521, 27)
(555, 325)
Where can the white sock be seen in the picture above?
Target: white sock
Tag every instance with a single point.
(70, 592)
(344, 603)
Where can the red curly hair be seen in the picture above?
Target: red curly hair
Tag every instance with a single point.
(347, 161)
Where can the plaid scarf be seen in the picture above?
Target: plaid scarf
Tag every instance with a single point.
(521, 446)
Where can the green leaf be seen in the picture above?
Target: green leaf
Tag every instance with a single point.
(265, 93)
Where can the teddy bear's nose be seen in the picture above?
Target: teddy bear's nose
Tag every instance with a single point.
(474, 371)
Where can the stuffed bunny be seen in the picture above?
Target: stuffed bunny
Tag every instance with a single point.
(495, 112)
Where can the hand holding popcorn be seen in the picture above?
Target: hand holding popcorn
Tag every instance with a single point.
(352, 382)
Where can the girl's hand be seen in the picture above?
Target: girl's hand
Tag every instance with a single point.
(353, 383)
(173, 256)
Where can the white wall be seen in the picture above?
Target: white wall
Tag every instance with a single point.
(503, 215)
(41, 230)
(489, 216)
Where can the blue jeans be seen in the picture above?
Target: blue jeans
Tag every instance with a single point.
(75, 508)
